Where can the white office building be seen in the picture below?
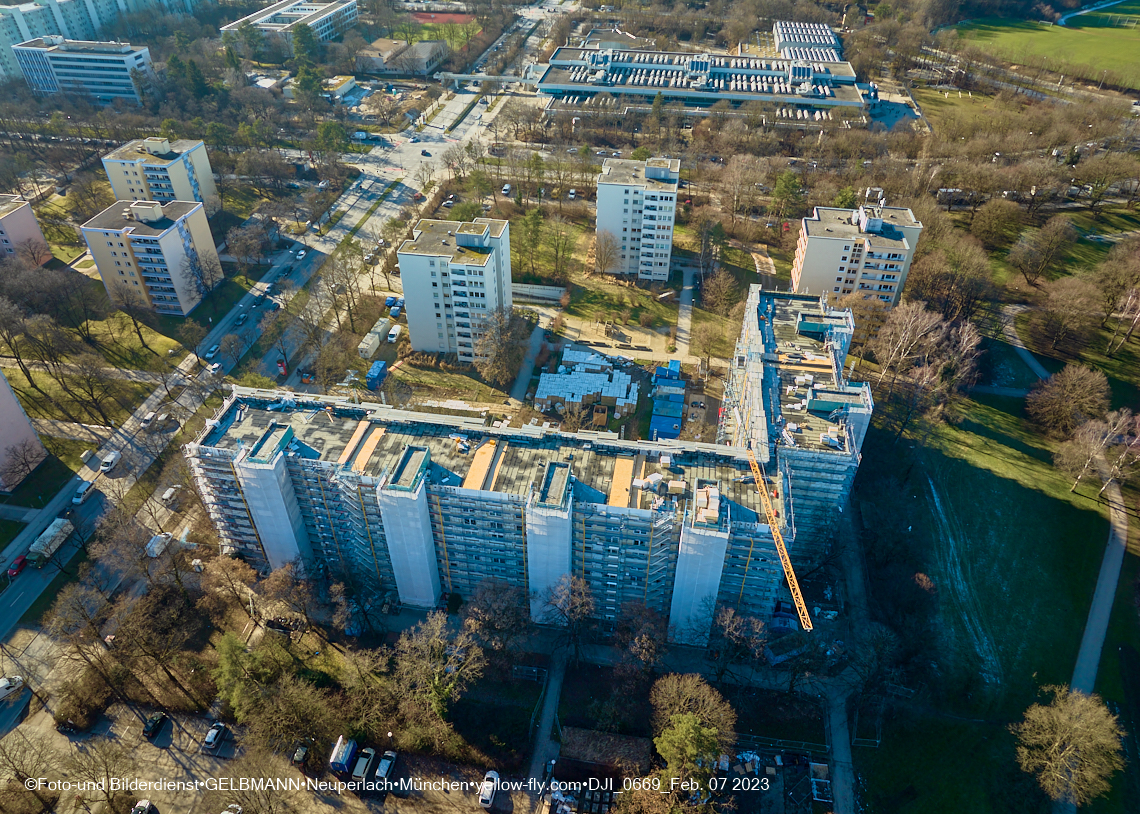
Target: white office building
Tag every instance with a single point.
(454, 274)
(280, 20)
(147, 252)
(72, 19)
(103, 71)
(158, 169)
(864, 251)
(637, 204)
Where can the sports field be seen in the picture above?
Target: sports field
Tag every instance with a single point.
(1087, 47)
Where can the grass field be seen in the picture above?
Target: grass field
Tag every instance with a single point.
(8, 531)
(1014, 557)
(125, 397)
(1082, 48)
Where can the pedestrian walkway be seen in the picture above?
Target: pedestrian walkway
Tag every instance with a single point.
(72, 431)
(545, 748)
(685, 311)
(21, 514)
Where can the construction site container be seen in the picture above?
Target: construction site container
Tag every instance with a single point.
(342, 754)
(376, 375)
(368, 346)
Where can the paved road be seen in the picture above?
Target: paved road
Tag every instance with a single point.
(1009, 331)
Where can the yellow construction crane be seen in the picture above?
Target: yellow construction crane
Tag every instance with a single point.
(773, 523)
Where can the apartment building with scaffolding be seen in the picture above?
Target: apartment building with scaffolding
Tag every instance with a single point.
(786, 397)
(408, 505)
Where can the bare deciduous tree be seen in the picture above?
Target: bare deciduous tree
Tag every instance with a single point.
(607, 250)
(1067, 399)
(569, 604)
(1071, 745)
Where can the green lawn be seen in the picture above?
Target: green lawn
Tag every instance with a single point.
(1128, 12)
(444, 384)
(1087, 49)
(1013, 556)
(1122, 369)
(935, 103)
(42, 485)
(126, 396)
(1002, 366)
(8, 531)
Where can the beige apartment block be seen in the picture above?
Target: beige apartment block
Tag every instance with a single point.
(20, 447)
(148, 251)
(20, 233)
(865, 251)
(158, 169)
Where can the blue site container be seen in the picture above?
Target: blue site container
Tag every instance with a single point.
(376, 375)
(342, 754)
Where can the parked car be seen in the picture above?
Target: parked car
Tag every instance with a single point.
(109, 461)
(215, 368)
(83, 491)
(323, 185)
(301, 254)
(425, 153)
(506, 189)
(363, 760)
(18, 565)
(448, 204)
(154, 725)
(148, 419)
(10, 685)
(300, 755)
(386, 771)
(212, 352)
(215, 737)
(488, 788)
(143, 807)
(572, 194)
(242, 317)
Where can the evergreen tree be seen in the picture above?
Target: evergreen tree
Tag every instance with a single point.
(196, 83)
(306, 48)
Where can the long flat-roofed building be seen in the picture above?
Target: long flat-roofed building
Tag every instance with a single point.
(328, 20)
(103, 71)
(864, 251)
(158, 169)
(409, 505)
(808, 81)
(73, 19)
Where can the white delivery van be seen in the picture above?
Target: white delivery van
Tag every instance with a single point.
(394, 333)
